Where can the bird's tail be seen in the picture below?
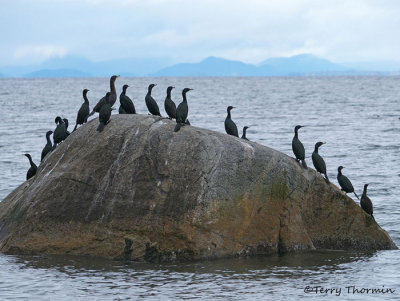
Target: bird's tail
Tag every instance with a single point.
(303, 162)
(356, 195)
(177, 127)
(101, 126)
(76, 125)
(326, 179)
(92, 113)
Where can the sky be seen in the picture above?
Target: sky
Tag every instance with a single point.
(189, 31)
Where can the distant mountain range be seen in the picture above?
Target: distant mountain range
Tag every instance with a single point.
(299, 65)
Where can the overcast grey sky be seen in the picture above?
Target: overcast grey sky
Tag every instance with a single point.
(185, 30)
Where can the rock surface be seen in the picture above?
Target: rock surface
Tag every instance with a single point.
(139, 191)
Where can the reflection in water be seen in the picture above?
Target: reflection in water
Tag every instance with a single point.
(66, 277)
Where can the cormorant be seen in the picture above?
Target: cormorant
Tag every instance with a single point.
(113, 96)
(298, 147)
(48, 147)
(345, 183)
(318, 162)
(66, 125)
(60, 133)
(244, 133)
(169, 104)
(151, 103)
(230, 126)
(365, 202)
(121, 110)
(126, 103)
(83, 112)
(182, 111)
(105, 113)
(32, 170)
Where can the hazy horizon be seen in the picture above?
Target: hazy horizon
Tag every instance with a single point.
(179, 31)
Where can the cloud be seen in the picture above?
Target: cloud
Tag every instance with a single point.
(39, 52)
(250, 30)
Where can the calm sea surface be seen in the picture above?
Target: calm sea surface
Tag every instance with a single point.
(358, 118)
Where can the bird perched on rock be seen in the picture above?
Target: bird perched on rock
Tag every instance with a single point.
(298, 147)
(151, 104)
(60, 133)
(244, 133)
(230, 126)
(169, 104)
(66, 125)
(32, 170)
(48, 147)
(83, 112)
(126, 103)
(365, 202)
(105, 113)
(345, 183)
(113, 96)
(182, 111)
(319, 162)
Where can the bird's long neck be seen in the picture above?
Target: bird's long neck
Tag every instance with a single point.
(184, 97)
(229, 114)
(30, 160)
(365, 191)
(85, 98)
(316, 149)
(48, 138)
(339, 172)
(112, 87)
(244, 132)
(149, 91)
(168, 93)
(296, 135)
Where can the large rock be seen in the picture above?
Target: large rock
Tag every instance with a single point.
(140, 191)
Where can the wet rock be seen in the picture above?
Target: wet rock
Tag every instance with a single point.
(139, 191)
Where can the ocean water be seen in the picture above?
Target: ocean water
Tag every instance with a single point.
(358, 118)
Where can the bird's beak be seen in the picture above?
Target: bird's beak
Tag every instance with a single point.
(233, 107)
(155, 85)
(323, 142)
(191, 89)
(173, 87)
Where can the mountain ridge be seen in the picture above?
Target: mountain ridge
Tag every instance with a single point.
(298, 65)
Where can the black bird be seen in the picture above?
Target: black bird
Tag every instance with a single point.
(66, 125)
(244, 132)
(345, 183)
(105, 113)
(48, 147)
(318, 162)
(169, 104)
(121, 110)
(60, 133)
(365, 202)
(151, 104)
(113, 96)
(182, 111)
(126, 103)
(83, 112)
(298, 147)
(32, 170)
(230, 126)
